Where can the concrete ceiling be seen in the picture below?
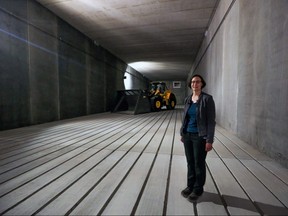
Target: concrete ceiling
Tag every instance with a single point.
(159, 38)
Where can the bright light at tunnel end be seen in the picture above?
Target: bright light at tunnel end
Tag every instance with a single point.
(147, 66)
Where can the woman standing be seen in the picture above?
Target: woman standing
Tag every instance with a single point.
(197, 134)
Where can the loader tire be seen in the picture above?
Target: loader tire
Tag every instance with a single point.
(172, 102)
(156, 104)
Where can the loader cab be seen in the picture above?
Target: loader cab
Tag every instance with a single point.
(157, 88)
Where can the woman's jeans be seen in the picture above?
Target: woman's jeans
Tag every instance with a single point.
(195, 155)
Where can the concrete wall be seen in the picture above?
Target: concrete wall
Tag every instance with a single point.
(50, 71)
(244, 59)
(133, 80)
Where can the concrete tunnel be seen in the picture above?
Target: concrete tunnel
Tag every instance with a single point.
(62, 62)
(52, 71)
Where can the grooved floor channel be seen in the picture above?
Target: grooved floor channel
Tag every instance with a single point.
(119, 164)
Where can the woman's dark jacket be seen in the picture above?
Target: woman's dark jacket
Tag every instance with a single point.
(205, 116)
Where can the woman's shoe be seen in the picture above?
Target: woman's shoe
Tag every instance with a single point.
(193, 196)
(186, 192)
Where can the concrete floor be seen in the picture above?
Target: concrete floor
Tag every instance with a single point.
(119, 164)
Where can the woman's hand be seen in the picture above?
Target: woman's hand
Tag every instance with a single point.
(208, 147)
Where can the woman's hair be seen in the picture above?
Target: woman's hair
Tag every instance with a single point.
(196, 75)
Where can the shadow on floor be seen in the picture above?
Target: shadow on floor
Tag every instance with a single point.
(237, 202)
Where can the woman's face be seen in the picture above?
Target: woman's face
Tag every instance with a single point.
(196, 83)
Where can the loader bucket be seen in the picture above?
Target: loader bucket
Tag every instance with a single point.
(132, 102)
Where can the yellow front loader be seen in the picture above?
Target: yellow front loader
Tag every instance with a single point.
(142, 101)
(161, 96)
